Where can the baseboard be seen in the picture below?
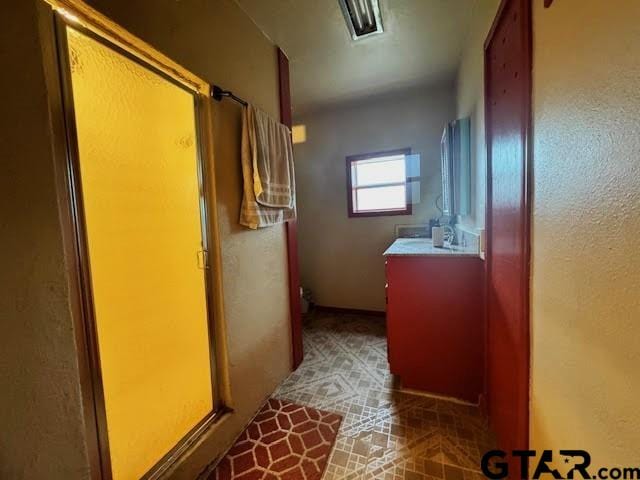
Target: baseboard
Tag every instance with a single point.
(422, 393)
(350, 311)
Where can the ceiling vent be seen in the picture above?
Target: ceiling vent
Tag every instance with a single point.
(362, 16)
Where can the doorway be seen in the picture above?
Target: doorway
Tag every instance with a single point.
(137, 188)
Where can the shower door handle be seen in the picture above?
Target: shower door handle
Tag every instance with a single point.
(203, 259)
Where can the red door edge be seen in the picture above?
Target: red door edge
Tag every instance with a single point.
(291, 227)
(525, 205)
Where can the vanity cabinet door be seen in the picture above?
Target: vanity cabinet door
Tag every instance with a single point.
(435, 320)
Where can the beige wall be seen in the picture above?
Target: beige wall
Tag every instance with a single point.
(217, 41)
(42, 434)
(341, 258)
(470, 103)
(586, 225)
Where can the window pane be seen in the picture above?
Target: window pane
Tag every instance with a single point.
(381, 198)
(379, 170)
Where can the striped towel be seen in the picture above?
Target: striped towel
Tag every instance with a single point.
(257, 146)
(272, 159)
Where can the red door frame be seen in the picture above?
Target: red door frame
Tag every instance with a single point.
(512, 428)
(291, 226)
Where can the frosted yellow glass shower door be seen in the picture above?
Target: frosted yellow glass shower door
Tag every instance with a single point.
(141, 216)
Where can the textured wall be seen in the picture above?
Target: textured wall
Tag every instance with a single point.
(42, 434)
(586, 225)
(470, 103)
(341, 257)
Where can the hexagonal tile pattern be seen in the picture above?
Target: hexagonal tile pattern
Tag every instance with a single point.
(285, 441)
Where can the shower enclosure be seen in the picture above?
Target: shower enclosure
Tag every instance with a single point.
(138, 204)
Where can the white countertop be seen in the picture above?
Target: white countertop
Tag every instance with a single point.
(424, 247)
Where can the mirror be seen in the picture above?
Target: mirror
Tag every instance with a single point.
(455, 149)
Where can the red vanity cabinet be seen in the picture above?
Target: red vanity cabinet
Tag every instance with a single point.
(435, 323)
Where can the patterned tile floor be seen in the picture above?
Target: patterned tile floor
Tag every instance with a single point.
(284, 441)
(386, 434)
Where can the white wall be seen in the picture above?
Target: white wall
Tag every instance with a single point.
(341, 257)
(470, 103)
(586, 226)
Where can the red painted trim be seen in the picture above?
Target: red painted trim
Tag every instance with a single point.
(381, 213)
(382, 153)
(525, 79)
(490, 35)
(482, 404)
(284, 89)
(291, 226)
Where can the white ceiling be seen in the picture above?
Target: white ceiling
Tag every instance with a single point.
(421, 45)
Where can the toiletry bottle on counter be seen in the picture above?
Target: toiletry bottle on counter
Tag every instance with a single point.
(437, 236)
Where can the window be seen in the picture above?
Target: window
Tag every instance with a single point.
(377, 184)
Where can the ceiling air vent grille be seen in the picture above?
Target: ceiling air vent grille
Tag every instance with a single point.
(362, 16)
